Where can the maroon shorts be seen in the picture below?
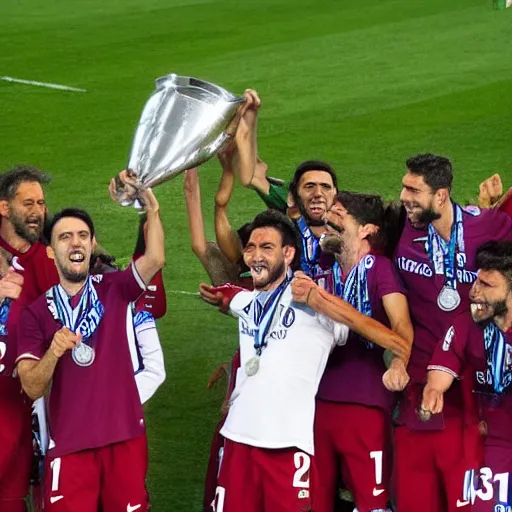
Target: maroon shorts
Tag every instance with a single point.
(492, 484)
(212, 471)
(15, 445)
(263, 480)
(111, 478)
(430, 466)
(352, 441)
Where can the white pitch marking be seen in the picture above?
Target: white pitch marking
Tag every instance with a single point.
(41, 84)
(181, 292)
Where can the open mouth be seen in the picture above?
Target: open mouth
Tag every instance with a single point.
(478, 308)
(257, 270)
(77, 257)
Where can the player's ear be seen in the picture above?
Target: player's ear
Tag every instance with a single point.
(442, 196)
(94, 243)
(289, 254)
(4, 208)
(50, 252)
(367, 230)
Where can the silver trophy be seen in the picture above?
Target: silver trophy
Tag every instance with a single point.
(182, 126)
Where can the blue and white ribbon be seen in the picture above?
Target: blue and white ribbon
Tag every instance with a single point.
(443, 254)
(85, 317)
(496, 352)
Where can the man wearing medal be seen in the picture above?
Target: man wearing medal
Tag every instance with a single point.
(268, 463)
(436, 260)
(478, 346)
(73, 342)
(355, 401)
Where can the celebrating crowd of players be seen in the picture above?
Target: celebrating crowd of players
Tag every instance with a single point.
(374, 358)
(375, 341)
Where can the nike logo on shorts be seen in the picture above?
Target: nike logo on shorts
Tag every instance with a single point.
(131, 508)
(462, 503)
(378, 492)
(54, 499)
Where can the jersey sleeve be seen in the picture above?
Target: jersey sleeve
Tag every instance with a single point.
(387, 278)
(277, 195)
(31, 342)
(239, 303)
(152, 374)
(449, 354)
(498, 225)
(128, 282)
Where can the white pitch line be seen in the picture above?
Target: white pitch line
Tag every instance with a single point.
(181, 292)
(42, 84)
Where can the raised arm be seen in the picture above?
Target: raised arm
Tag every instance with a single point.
(154, 258)
(306, 291)
(227, 239)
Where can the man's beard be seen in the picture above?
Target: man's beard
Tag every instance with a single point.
(331, 243)
(22, 230)
(425, 217)
(496, 310)
(273, 275)
(74, 277)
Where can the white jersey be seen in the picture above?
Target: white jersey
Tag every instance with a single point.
(275, 407)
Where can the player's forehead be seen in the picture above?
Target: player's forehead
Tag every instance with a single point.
(70, 225)
(492, 277)
(264, 235)
(316, 178)
(415, 182)
(29, 190)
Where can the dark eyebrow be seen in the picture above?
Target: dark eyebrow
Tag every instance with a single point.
(413, 189)
(323, 183)
(333, 226)
(483, 281)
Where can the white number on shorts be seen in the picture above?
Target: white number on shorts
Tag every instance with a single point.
(55, 467)
(377, 457)
(218, 502)
(302, 463)
(485, 491)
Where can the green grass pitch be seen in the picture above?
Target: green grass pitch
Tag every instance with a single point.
(362, 84)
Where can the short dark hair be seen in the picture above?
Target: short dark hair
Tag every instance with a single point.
(496, 255)
(12, 179)
(310, 165)
(436, 170)
(75, 213)
(366, 209)
(285, 226)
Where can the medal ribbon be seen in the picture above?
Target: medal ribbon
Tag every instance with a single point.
(4, 315)
(85, 317)
(263, 316)
(355, 289)
(310, 253)
(495, 349)
(442, 254)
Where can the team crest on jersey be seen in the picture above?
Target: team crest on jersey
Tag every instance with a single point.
(97, 278)
(303, 494)
(472, 210)
(448, 338)
(288, 318)
(369, 261)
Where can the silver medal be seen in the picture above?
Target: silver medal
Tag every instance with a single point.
(83, 354)
(448, 299)
(252, 366)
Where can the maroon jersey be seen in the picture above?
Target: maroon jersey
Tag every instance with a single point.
(354, 371)
(462, 352)
(424, 285)
(96, 405)
(40, 274)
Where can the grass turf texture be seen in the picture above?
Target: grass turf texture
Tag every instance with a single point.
(360, 84)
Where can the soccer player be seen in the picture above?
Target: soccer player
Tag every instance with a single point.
(22, 213)
(74, 338)
(478, 345)
(267, 464)
(436, 260)
(354, 408)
